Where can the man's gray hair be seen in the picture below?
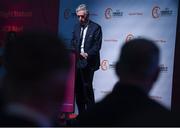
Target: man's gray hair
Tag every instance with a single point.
(82, 7)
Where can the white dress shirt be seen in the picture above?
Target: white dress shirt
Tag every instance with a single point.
(83, 38)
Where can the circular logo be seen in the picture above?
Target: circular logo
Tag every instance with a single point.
(108, 13)
(129, 37)
(104, 65)
(67, 13)
(156, 12)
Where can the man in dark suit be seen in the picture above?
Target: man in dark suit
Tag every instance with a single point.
(129, 103)
(87, 40)
(37, 67)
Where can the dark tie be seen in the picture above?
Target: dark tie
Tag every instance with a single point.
(81, 35)
(82, 62)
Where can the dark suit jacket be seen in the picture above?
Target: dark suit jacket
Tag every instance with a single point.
(127, 106)
(92, 44)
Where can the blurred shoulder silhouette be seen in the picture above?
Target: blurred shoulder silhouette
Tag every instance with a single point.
(37, 66)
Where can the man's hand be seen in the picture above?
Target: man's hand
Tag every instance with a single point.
(84, 55)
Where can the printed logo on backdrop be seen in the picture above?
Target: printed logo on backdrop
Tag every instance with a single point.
(132, 36)
(135, 13)
(160, 41)
(129, 37)
(109, 13)
(156, 97)
(68, 13)
(110, 40)
(157, 12)
(163, 68)
(14, 28)
(105, 65)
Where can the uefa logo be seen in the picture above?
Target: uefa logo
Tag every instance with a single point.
(129, 37)
(105, 65)
(67, 13)
(156, 12)
(108, 13)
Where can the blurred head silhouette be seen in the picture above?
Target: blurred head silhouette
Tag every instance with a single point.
(138, 63)
(37, 67)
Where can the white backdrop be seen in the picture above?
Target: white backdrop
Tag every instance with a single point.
(122, 20)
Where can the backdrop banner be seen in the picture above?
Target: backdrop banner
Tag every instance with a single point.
(30, 15)
(123, 20)
(27, 15)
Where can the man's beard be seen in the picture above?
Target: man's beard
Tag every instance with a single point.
(84, 23)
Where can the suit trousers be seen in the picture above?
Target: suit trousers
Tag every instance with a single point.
(84, 88)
